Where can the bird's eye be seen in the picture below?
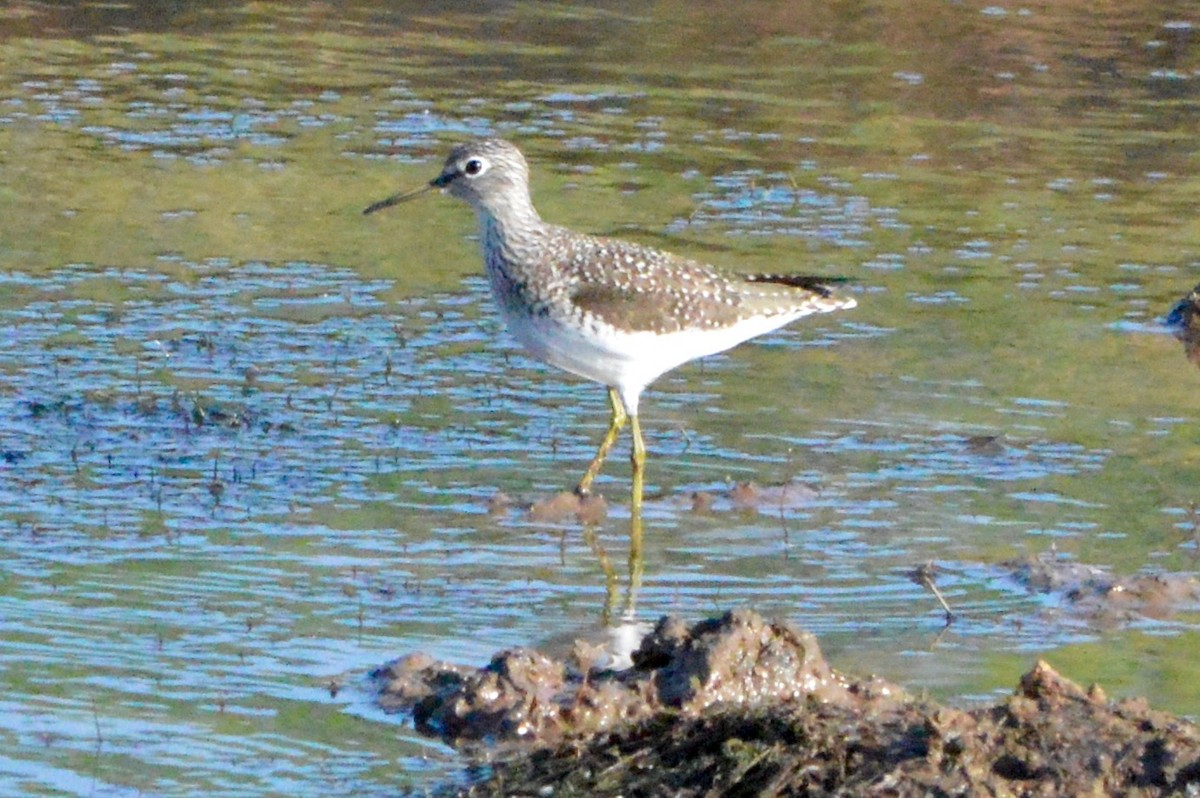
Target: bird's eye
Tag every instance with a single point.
(473, 167)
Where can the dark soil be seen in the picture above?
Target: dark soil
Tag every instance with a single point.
(739, 706)
(1102, 597)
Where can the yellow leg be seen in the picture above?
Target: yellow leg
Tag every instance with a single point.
(619, 419)
(639, 467)
(637, 563)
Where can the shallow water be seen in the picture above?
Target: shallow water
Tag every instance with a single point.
(249, 437)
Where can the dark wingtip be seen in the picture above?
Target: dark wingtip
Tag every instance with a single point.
(818, 285)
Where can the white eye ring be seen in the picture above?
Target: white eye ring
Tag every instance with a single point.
(474, 167)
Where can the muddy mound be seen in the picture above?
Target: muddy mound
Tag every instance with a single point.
(1051, 738)
(522, 695)
(1102, 597)
(742, 706)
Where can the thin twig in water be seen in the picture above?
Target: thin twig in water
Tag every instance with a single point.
(99, 743)
(923, 576)
(787, 542)
(1195, 512)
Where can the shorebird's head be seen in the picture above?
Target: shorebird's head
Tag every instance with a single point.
(490, 174)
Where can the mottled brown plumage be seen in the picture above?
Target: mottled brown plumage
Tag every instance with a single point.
(613, 311)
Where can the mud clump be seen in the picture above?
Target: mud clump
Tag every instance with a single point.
(589, 509)
(741, 706)
(522, 695)
(749, 496)
(592, 508)
(1051, 738)
(1104, 598)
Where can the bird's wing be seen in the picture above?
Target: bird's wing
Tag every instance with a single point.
(639, 288)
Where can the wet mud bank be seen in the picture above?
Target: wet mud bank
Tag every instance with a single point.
(743, 706)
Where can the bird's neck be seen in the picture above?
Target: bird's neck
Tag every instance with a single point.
(511, 238)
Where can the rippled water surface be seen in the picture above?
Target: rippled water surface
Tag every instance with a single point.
(249, 437)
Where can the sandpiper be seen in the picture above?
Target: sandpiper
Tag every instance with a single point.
(612, 311)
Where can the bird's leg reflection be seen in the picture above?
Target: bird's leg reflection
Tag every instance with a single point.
(637, 564)
(636, 569)
(610, 573)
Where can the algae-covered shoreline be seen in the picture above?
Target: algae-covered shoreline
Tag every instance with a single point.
(742, 706)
